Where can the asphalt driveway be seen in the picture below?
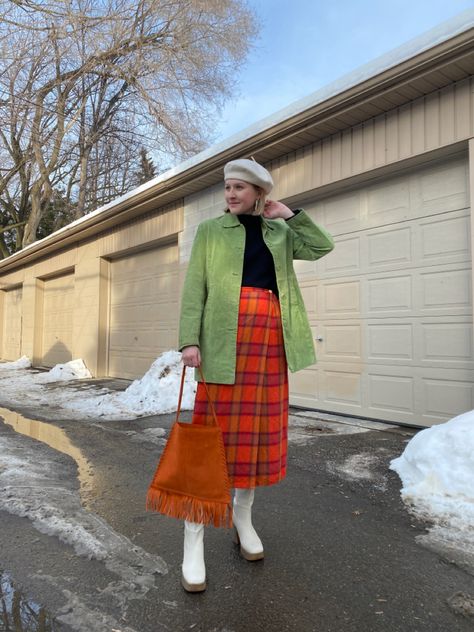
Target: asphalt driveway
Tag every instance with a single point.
(342, 553)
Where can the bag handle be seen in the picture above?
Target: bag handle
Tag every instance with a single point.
(181, 388)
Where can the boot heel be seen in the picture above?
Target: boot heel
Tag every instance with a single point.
(250, 557)
(192, 588)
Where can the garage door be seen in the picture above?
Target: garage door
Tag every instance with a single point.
(12, 319)
(391, 307)
(58, 301)
(143, 310)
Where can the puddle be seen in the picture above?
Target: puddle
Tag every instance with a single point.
(19, 614)
(303, 429)
(56, 438)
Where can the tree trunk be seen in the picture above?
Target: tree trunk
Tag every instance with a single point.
(81, 200)
(31, 226)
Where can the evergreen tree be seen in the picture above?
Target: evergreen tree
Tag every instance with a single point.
(146, 170)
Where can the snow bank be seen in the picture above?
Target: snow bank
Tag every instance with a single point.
(154, 394)
(158, 389)
(23, 363)
(73, 370)
(437, 472)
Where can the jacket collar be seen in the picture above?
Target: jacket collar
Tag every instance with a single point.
(230, 221)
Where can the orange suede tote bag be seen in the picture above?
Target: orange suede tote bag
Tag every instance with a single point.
(191, 481)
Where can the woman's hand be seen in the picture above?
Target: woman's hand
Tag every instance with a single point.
(274, 209)
(191, 356)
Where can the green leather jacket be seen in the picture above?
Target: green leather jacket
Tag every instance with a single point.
(211, 293)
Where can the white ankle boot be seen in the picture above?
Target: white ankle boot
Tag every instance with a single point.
(193, 577)
(251, 547)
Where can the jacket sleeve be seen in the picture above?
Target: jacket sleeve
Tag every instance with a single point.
(310, 241)
(194, 293)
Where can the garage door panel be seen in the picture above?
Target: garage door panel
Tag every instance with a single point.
(390, 393)
(447, 395)
(443, 188)
(445, 238)
(389, 294)
(347, 262)
(121, 339)
(341, 214)
(128, 315)
(341, 342)
(343, 386)
(341, 298)
(304, 385)
(447, 344)
(143, 309)
(12, 324)
(447, 290)
(58, 302)
(388, 203)
(140, 289)
(390, 247)
(134, 364)
(392, 342)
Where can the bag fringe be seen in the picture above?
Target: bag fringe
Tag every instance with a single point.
(183, 507)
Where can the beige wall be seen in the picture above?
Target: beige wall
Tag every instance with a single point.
(89, 262)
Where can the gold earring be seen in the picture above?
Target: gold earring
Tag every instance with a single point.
(256, 205)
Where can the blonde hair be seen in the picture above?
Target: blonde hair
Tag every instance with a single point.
(260, 203)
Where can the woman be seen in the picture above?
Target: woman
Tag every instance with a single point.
(243, 321)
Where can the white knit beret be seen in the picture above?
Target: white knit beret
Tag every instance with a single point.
(249, 171)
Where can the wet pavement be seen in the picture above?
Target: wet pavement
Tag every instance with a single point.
(342, 553)
(20, 614)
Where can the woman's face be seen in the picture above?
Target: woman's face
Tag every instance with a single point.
(240, 196)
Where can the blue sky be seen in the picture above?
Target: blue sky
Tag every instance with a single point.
(306, 44)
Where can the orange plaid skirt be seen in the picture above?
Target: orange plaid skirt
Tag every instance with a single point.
(253, 412)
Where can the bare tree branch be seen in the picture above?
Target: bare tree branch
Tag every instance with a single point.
(85, 85)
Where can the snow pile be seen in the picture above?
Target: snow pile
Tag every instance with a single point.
(23, 363)
(158, 389)
(153, 394)
(73, 370)
(437, 472)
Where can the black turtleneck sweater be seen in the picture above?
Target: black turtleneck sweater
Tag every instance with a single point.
(259, 269)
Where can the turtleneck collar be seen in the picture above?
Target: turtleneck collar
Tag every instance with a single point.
(248, 220)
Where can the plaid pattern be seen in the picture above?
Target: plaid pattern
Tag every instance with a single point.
(253, 412)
